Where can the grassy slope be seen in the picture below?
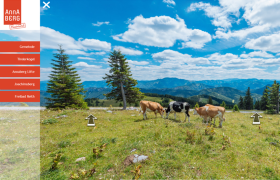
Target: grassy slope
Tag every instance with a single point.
(19, 144)
(250, 156)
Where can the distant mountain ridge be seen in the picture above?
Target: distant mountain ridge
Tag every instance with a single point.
(240, 84)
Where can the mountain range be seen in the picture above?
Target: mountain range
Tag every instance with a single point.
(240, 84)
(228, 90)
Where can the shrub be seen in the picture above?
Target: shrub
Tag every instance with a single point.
(235, 108)
(49, 121)
(196, 105)
(23, 104)
(190, 137)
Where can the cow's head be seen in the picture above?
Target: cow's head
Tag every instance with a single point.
(161, 111)
(195, 111)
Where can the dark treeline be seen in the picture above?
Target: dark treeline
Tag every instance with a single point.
(269, 101)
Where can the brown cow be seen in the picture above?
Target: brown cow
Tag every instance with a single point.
(207, 112)
(222, 109)
(153, 106)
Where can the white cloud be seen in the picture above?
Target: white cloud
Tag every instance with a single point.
(278, 54)
(137, 62)
(95, 44)
(100, 23)
(50, 39)
(218, 13)
(162, 31)
(260, 15)
(100, 53)
(257, 54)
(169, 2)
(146, 49)
(85, 65)
(220, 59)
(86, 58)
(265, 43)
(128, 51)
(170, 56)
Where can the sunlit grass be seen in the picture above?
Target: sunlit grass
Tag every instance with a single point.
(19, 144)
(250, 154)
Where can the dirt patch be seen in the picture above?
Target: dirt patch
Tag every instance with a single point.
(128, 160)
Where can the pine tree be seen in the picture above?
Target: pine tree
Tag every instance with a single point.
(196, 105)
(121, 81)
(223, 104)
(65, 85)
(273, 94)
(241, 103)
(264, 99)
(210, 100)
(235, 108)
(248, 100)
(257, 105)
(252, 104)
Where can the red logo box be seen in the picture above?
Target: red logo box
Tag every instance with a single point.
(12, 12)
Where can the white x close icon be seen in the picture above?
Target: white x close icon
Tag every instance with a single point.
(46, 4)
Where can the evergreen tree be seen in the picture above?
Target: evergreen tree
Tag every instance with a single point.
(196, 105)
(241, 103)
(97, 102)
(264, 99)
(223, 104)
(120, 105)
(273, 94)
(235, 108)
(252, 103)
(248, 100)
(210, 100)
(259, 105)
(121, 81)
(65, 85)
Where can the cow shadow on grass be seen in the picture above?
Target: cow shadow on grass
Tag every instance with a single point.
(176, 121)
(139, 120)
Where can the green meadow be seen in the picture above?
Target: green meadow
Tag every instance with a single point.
(176, 150)
(19, 144)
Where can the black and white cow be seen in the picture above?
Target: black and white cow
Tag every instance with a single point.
(175, 106)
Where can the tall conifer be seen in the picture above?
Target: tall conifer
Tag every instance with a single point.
(65, 85)
(121, 81)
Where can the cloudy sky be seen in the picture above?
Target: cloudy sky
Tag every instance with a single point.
(193, 40)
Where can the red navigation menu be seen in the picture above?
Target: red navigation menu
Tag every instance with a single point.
(20, 96)
(19, 84)
(19, 59)
(20, 46)
(17, 65)
(19, 71)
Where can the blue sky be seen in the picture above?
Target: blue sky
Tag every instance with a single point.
(194, 40)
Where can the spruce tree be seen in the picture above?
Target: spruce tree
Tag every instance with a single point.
(264, 99)
(241, 103)
(223, 104)
(121, 81)
(65, 85)
(273, 94)
(210, 100)
(248, 100)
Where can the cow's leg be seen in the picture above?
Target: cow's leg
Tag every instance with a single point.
(188, 116)
(156, 114)
(167, 115)
(144, 114)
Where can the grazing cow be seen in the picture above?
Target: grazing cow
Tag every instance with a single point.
(209, 112)
(175, 106)
(222, 109)
(153, 106)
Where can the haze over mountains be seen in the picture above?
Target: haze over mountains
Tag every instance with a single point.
(240, 84)
(223, 90)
